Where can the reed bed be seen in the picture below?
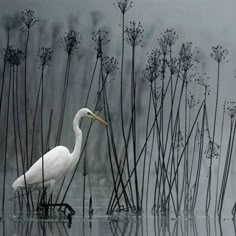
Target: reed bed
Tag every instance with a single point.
(159, 134)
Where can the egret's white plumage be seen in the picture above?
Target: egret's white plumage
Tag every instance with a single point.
(57, 162)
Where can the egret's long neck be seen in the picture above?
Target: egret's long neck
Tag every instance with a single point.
(75, 155)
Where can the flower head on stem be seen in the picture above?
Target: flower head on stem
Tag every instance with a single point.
(28, 18)
(186, 56)
(123, 5)
(173, 65)
(204, 81)
(151, 70)
(14, 56)
(230, 108)
(45, 56)
(170, 36)
(212, 150)
(110, 64)
(100, 38)
(134, 33)
(218, 53)
(192, 102)
(179, 140)
(70, 42)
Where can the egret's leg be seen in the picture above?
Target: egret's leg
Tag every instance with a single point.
(65, 205)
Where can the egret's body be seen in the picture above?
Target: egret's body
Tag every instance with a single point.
(57, 162)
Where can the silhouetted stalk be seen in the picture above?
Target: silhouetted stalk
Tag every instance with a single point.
(6, 139)
(41, 126)
(186, 190)
(218, 54)
(128, 204)
(126, 158)
(193, 156)
(145, 143)
(91, 82)
(200, 155)
(34, 120)
(120, 172)
(145, 152)
(14, 77)
(26, 100)
(185, 145)
(227, 165)
(149, 168)
(49, 131)
(4, 68)
(178, 202)
(115, 189)
(84, 179)
(133, 108)
(64, 95)
(218, 168)
(162, 166)
(24, 167)
(17, 116)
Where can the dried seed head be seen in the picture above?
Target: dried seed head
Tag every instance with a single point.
(70, 42)
(170, 36)
(218, 53)
(14, 56)
(230, 107)
(173, 65)
(179, 143)
(186, 56)
(45, 56)
(123, 5)
(134, 33)
(100, 38)
(192, 102)
(28, 18)
(212, 150)
(151, 70)
(110, 64)
(204, 81)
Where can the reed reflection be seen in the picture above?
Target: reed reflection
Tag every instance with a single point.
(167, 226)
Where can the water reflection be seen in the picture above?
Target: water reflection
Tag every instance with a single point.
(117, 226)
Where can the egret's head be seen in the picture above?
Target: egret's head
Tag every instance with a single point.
(87, 113)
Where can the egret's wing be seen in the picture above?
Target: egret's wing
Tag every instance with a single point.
(56, 163)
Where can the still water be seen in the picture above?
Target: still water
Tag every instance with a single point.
(115, 225)
(120, 223)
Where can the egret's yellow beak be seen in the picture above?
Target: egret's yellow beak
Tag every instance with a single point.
(92, 115)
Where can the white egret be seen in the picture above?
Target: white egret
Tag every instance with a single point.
(57, 162)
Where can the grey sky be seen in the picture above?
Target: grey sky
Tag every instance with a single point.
(204, 22)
